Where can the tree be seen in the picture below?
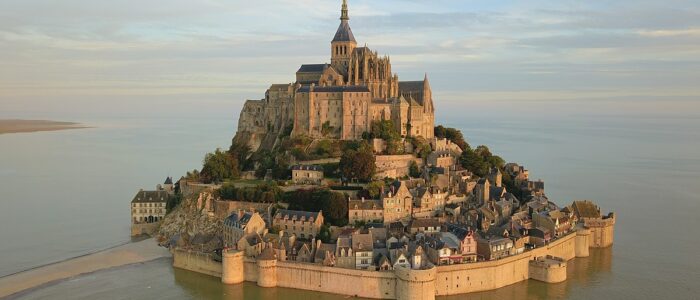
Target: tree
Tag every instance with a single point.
(374, 189)
(453, 135)
(473, 162)
(413, 170)
(219, 166)
(324, 234)
(335, 207)
(358, 164)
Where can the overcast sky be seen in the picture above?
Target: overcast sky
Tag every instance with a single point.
(472, 50)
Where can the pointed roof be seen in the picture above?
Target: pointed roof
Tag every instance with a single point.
(344, 33)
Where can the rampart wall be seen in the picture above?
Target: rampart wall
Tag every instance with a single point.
(402, 284)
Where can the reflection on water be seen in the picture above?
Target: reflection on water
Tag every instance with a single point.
(200, 286)
(581, 273)
(157, 279)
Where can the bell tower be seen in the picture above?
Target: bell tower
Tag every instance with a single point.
(343, 43)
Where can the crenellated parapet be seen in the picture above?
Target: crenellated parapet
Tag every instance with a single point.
(602, 230)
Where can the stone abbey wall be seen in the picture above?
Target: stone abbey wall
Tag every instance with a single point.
(401, 283)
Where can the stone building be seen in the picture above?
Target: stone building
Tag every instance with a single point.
(303, 224)
(340, 99)
(148, 208)
(307, 174)
(365, 211)
(397, 202)
(240, 224)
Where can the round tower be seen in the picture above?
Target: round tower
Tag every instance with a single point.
(267, 268)
(582, 242)
(232, 267)
(415, 284)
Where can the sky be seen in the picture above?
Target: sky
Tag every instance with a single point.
(644, 54)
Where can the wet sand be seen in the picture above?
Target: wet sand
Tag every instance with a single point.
(18, 126)
(131, 253)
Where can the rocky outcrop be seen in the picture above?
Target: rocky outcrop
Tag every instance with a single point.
(191, 227)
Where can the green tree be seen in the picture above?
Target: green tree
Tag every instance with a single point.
(452, 134)
(335, 207)
(374, 189)
(473, 162)
(218, 166)
(413, 170)
(325, 234)
(358, 164)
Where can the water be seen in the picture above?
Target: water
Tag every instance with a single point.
(66, 193)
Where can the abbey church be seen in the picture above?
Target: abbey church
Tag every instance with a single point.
(340, 99)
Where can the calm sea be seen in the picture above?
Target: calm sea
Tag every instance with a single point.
(67, 193)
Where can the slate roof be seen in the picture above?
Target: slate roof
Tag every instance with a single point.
(428, 222)
(150, 197)
(168, 180)
(308, 168)
(365, 204)
(459, 231)
(242, 221)
(282, 213)
(411, 86)
(313, 68)
(335, 89)
(344, 33)
(362, 242)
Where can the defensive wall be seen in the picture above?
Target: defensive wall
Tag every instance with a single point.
(546, 263)
(395, 166)
(144, 228)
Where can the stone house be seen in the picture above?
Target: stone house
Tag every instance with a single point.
(344, 255)
(397, 202)
(251, 244)
(427, 226)
(302, 174)
(495, 177)
(494, 247)
(240, 224)
(324, 254)
(303, 224)
(482, 191)
(363, 248)
(399, 259)
(300, 252)
(540, 236)
(365, 211)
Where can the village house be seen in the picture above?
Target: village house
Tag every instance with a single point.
(426, 226)
(240, 224)
(307, 174)
(364, 210)
(494, 247)
(344, 256)
(363, 248)
(324, 254)
(303, 224)
(466, 240)
(397, 201)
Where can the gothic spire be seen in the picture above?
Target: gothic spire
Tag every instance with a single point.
(344, 11)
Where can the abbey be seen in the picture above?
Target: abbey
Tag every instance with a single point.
(340, 99)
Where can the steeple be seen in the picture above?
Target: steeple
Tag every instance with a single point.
(344, 11)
